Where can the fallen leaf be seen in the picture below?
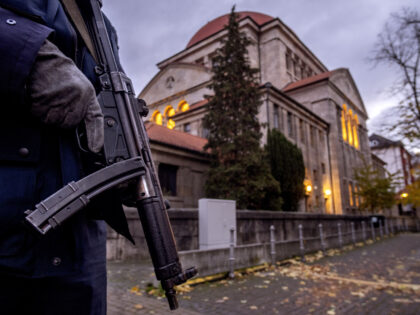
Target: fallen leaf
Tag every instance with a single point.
(243, 301)
(253, 307)
(135, 289)
(138, 307)
(405, 301)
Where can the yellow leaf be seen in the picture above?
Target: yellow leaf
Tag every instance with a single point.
(285, 288)
(138, 307)
(253, 307)
(135, 289)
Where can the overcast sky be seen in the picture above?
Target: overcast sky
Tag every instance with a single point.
(341, 33)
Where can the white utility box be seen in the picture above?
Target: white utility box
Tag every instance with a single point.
(216, 217)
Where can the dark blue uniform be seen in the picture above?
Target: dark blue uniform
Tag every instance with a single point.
(65, 271)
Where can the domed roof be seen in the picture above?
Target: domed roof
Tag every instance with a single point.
(219, 23)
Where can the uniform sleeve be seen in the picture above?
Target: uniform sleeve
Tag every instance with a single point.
(20, 41)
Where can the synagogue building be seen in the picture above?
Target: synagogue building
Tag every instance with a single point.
(318, 109)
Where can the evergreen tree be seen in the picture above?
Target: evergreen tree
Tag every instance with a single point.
(238, 168)
(287, 167)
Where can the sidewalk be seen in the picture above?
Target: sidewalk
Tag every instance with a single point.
(127, 283)
(381, 278)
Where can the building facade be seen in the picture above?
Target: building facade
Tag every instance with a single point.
(319, 110)
(396, 157)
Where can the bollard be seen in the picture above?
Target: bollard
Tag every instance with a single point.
(381, 232)
(392, 226)
(372, 230)
(418, 225)
(386, 227)
(232, 253)
(272, 245)
(340, 236)
(321, 236)
(353, 234)
(405, 225)
(301, 244)
(364, 231)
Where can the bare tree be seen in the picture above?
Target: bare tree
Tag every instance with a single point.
(398, 45)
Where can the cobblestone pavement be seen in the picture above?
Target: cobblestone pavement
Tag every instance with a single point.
(379, 278)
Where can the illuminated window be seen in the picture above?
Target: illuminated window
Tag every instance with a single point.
(170, 124)
(355, 132)
(356, 193)
(343, 123)
(349, 127)
(351, 200)
(157, 117)
(183, 106)
(169, 111)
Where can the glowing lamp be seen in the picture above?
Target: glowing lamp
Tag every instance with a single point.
(327, 193)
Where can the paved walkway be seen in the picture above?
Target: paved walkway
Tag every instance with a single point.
(380, 278)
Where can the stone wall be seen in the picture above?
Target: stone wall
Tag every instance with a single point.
(253, 228)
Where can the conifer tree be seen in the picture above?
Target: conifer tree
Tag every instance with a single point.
(238, 168)
(287, 167)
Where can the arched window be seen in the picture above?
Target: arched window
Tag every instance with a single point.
(157, 117)
(183, 106)
(343, 122)
(169, 111)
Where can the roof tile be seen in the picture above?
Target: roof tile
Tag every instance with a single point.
(175, 137)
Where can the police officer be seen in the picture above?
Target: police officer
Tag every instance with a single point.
(47, 89)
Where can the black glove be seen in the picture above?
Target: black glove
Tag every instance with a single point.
(61, 95)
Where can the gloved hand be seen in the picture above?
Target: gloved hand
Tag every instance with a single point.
(62, 96)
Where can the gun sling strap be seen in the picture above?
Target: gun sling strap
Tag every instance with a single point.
(74, 12)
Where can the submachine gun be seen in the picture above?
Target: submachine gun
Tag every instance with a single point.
(127, 157)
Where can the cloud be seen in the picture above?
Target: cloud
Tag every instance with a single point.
(340, 33)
